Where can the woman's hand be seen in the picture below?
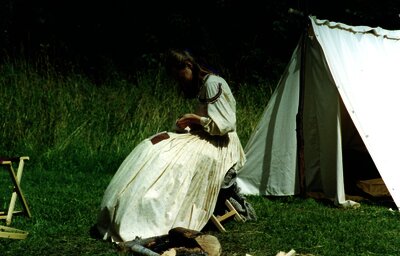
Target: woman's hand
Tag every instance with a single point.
(191, 120)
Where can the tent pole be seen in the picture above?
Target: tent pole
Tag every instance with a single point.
(299, 118)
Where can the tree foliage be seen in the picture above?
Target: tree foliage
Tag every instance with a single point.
(250, 39)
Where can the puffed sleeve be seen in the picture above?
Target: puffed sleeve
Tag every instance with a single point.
(221, 107)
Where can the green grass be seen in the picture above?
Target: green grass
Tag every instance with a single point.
(77, 133)
(312, 227)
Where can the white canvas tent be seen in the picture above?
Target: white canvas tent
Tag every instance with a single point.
(353, 68)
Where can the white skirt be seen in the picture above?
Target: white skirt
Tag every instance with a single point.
(172, 183)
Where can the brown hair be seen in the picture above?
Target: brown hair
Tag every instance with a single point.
(176, 60)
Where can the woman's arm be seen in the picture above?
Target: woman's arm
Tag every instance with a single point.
(221, 112)
(188, 120)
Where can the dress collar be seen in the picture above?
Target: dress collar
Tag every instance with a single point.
(206, 77)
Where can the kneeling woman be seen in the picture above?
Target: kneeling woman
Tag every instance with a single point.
(172, 179)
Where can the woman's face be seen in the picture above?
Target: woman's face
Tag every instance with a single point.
(184, 77)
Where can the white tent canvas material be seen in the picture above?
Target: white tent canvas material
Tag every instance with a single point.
(351, 71)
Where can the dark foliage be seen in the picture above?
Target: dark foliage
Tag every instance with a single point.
(250, 39)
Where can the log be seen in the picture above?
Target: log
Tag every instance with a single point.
(170, 252)
(179, 241)
(141, 250)
(181, 237)
(209, 244)
(156, 243)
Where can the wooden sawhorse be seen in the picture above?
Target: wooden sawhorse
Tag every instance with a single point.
(232, 212)
(8, 232)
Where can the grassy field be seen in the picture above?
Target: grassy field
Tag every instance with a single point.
(77, 133)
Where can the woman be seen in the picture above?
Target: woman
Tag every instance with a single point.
(172, 179)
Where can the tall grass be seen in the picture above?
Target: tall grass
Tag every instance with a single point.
(72, 118)
(77, 133)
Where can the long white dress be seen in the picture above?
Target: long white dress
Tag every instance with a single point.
(173, 179)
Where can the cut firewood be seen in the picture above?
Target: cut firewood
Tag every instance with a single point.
(290, 253)
(179, 241)
(192, 239)
(170, 252)
(183, 237)
(141, 250)
(156, 244)
(209, 244)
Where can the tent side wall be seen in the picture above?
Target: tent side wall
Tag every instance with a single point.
(271, 150)
(364, 65)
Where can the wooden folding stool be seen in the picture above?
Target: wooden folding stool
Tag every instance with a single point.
(232, 212)
(13, 233)
(9, 163)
